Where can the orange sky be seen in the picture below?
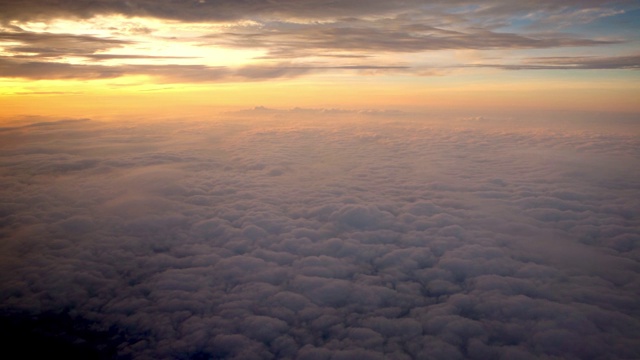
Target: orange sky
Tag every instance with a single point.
(99, 100)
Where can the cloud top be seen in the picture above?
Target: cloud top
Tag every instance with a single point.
(321, 234)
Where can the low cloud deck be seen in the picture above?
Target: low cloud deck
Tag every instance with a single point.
(317, 238)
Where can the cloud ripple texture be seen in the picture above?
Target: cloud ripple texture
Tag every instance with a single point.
(319, 236)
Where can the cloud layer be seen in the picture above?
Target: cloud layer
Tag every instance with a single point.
(99, 39)
(314, 234)
(229, 10)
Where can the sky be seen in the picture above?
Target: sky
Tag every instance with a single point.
(110, 57)
(324, 180)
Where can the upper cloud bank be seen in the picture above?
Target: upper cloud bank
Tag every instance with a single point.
(229, 10)
(287, 39)
(314, 235)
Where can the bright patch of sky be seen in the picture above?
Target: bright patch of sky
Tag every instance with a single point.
(170, 42)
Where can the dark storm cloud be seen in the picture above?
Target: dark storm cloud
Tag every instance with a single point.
(320, 235)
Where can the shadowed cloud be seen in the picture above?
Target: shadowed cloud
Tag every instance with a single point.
(320, 233)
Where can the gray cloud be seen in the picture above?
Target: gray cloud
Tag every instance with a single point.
(399, 35)
(13, 68)
(349, 35)
(23, 68)
(575, 63)
(315, 9)
(322, 233)
(51, 45)
(192, 10)
(35, 46)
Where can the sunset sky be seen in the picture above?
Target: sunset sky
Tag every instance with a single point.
(320, 179)
(79, 58)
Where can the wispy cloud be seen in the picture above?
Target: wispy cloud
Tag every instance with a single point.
(389, 36)
(572, 63)
(12, 68)
(286, 39)
(229, 10)
(45, 45)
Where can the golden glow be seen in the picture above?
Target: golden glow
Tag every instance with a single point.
(139, 96)
(169, 42)
(349, 79)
